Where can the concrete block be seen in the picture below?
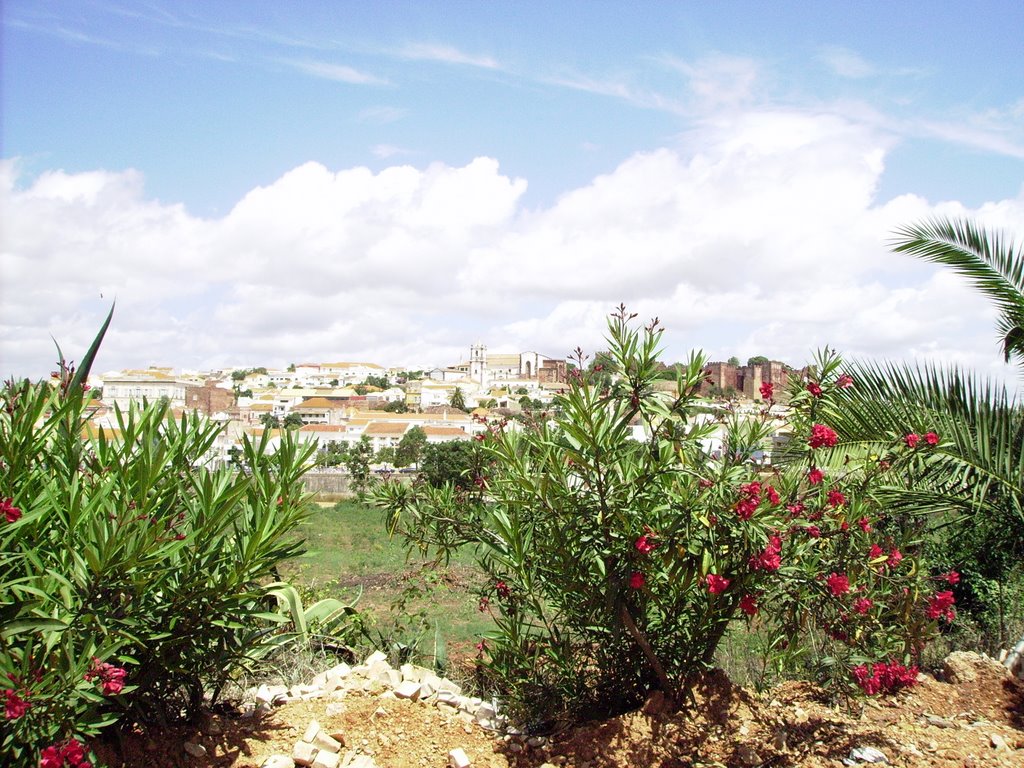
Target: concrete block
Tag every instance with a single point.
(408, 690)
(304, 753)
(311, 731)
(458, 758)
(326, 760)
(325, 742)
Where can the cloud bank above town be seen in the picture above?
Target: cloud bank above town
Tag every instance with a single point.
(758, 235)
(391, 183)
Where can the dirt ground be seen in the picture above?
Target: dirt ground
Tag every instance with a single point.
(976, 724)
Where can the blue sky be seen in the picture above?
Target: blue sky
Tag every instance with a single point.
(262, 183)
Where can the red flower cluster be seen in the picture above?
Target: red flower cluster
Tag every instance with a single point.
(940, 606)
(502, 589)
(911, 439)
(767, 390)
(11, 512)
(931, 438)
(111, 677)
(894, 558)
(748, 604)
(716, 584)
(952, 578)
(644, 545)
(814, 388)
(844, 382)
(637, 580)
(72, 752)
(771, 558)
(750, 499)
(15, 706)
(884, 677)
(822, 436)
(813, 531)
(862, 605)
(838, 584)
(836, 498)
(815, 476)
(865, 525)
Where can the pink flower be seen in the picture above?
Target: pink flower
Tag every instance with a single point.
(813, 531)
(815, 476)
(110, 677)
(895, 556)
(767, 390)
(15, 706)
(750, 499)
(838, 584)
(637, 580)
(822, 436)
(931, 438)
(773, 495)
(888, 677)
(911, 439)
(11, 512)
(502, 589)
(862, 605)
(875, 552)
(72, 752)
(814, 388)
(51, 758)
(716, 584)
(795, 510)
(845, 381)
(836, 498)
(940, 606)
(771, 558)
(952, 578)
(748, 604)
(865, 525)
(644, 545)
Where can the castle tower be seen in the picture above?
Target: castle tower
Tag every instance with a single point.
(478, 363)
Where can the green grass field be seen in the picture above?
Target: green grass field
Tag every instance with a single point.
(407, 601)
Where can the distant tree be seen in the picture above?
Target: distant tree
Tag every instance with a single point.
(332, 454)
(291, 367)
(237, 375)
(360, 389)
(522, 391)
(458, 462)
(334, 382)
(489, 403)
(396, 406)
(380, 382)
(357, 462)
(411, 447)
(757, 360)
(270, 421)
(733, 360)
(457, 400)
(386, 456)
(292, 421)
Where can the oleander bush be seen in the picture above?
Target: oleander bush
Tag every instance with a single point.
(133, 577)
(622, 542)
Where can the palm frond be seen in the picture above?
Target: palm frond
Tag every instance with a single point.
(980, 463)
(989, 259)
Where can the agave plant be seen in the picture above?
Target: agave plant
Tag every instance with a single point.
(974, 482)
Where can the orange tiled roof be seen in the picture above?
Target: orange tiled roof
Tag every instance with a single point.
(379, 428)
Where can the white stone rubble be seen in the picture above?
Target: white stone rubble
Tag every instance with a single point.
(320, 749)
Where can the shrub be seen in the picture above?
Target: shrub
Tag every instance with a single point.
(622, 540)
(130, 573)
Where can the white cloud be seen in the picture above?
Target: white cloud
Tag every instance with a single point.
(337, 72)
(847, 63)
(445, 54)
(760, 234)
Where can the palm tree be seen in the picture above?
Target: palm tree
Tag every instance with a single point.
(972, 484)
(989, 260)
